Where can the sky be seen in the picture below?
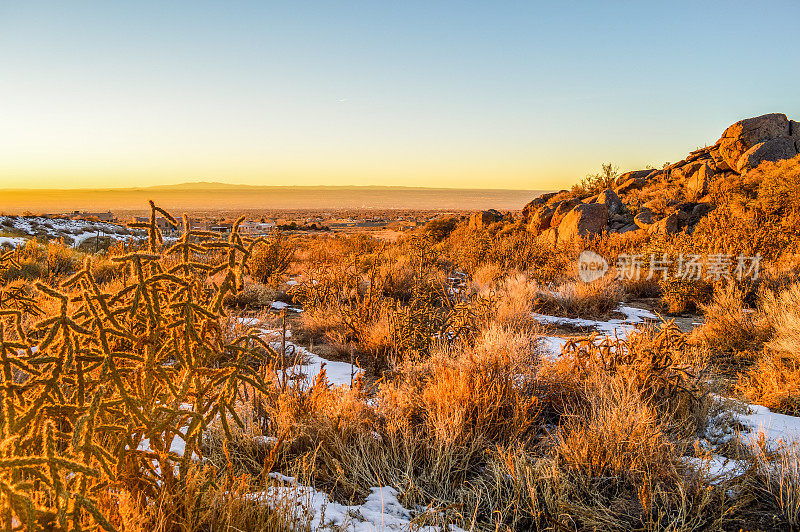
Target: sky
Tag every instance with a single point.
(495, 94)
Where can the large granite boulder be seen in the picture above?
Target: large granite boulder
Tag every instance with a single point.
(697, 185)
(536, 203)
(562, 208)
(484, 218)
(665, 226)
(770, 150)
(634, 183)
(539, 220)
(610, 199)
(584, 220)
(744, 134)
(635, 174)
(794, 131)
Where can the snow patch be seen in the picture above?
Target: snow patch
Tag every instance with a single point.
(381, 511)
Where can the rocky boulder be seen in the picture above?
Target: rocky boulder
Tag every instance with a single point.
(635, 174)
(561, 210)
(794, 131)
(744, 134)
(584, 220)
(540, 219)
(610, 199)
(665, 226)
(770, 150)
(644, 219)
(484, 218)
(536, 203)
(634, 183)
(697, 185)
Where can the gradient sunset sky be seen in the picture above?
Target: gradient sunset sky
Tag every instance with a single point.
(522, 95)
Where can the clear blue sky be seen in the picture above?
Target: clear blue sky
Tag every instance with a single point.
(455, 94)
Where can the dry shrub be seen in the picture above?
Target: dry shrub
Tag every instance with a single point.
(253, 296)
(736, 231)
(460, 395)
(577, 299)
(486, 276)
(730, 328)
(271, 259)
(656, 360)
(514, 302)
(105, 270)
(642, 287)
(774, 478)
(774, 381)
(208, 503)
(440, 228)
(617, 432)
(684, 295)
(777, 189)
(627, 410)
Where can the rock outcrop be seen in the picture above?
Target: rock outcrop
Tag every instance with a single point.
(667, 200)
(484, 218)
(584, 220)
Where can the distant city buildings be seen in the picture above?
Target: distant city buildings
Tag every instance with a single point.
(107, 216)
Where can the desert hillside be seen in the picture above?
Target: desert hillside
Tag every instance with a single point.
(623, 355)
(679, 195)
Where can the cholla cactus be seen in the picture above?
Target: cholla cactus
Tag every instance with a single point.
(117, 388)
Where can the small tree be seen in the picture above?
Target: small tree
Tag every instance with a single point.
(271, 259)
(596, 183)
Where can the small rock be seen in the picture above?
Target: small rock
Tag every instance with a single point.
(644, 219)
(665, 226)
(628, 228)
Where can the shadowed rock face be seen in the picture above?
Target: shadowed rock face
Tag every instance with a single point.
(639, 202)
(586, 219)
(745, 134)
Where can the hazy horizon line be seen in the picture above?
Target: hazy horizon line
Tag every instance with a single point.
(197, 185)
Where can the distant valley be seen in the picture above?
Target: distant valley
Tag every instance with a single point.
(208, 196)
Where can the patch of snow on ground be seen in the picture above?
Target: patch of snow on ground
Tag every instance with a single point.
(12, 241)
(552, 345)
(777, 428)
(309, 364)
(619, 327)
(381, 511)
(716, 468)
(55, 228)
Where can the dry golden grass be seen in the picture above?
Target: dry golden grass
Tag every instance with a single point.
(774, 477)
(775, 379)
(577, 299)
(729, 328)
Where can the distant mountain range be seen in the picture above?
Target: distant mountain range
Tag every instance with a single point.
(213, 196)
